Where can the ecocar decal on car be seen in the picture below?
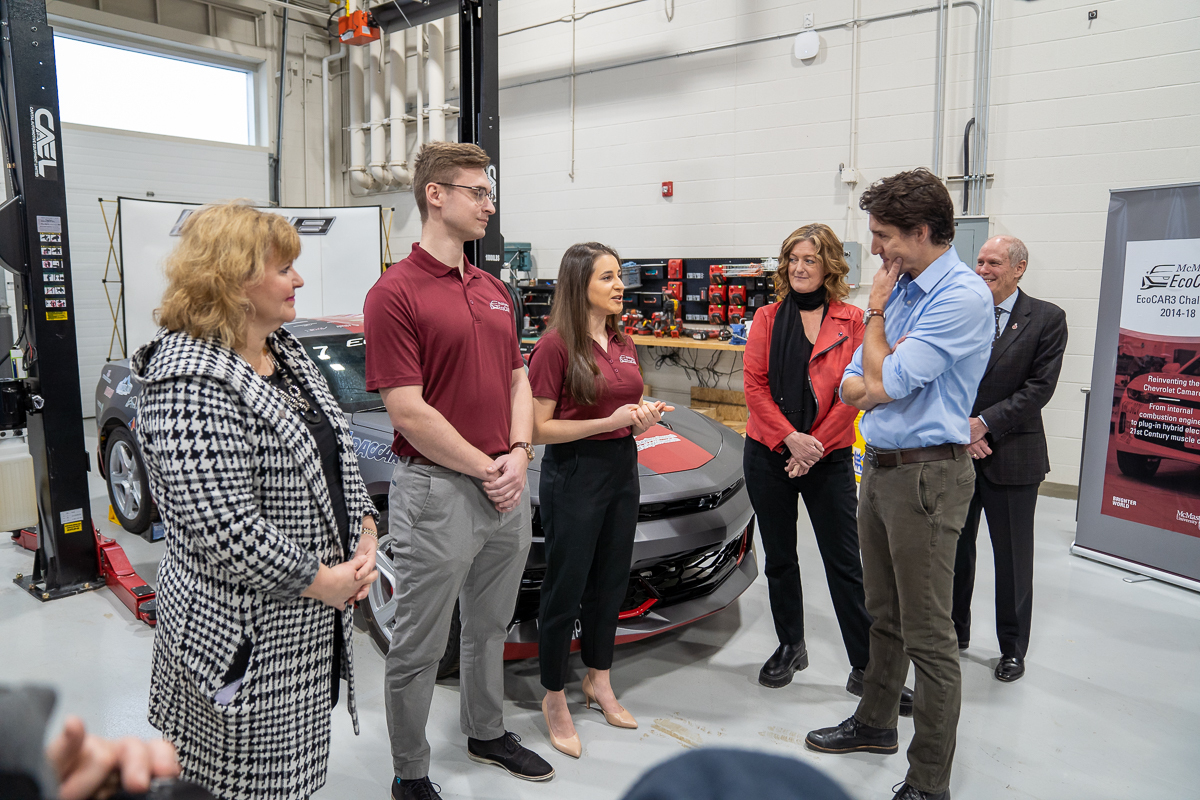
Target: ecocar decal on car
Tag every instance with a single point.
(375, 451)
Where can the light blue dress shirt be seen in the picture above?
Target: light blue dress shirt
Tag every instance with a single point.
(946, 319)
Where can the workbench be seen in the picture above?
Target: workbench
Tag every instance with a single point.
(686, 343)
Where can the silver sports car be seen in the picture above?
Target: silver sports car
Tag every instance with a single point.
(692, 557)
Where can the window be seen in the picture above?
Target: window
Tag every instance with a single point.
(112, 87)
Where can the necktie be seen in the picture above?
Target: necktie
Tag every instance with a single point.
(998, 312)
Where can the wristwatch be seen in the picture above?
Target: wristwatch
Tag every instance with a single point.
(873, 312)
(526, 446)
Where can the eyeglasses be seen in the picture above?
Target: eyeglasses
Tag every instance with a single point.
(477, 192)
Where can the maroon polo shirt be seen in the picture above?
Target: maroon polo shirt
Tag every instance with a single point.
(452, 335)
(619, 381)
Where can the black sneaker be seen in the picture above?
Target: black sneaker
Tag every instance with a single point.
(415, 789)
(906, 792)
(854, 685)
(506, 753)
(853, 737)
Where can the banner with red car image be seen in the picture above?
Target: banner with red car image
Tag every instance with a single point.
(1152, 470)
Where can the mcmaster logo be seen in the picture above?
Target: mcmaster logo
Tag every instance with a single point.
(44, 147)
(497, 305)
(1172, 276)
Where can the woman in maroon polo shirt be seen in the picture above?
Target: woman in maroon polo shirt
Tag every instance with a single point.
(587, 397)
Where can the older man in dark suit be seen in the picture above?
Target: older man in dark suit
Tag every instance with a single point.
(1009, 443)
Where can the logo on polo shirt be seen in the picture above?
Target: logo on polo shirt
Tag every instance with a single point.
(499, 305)
(628, 360)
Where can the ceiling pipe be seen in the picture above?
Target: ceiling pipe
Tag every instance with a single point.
(277, 177)
(359, 176)
(435, 80)
(378, 163)
(325, 62)
(939, 114)
(397, 80)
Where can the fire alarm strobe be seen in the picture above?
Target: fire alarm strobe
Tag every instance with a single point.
(668, 189)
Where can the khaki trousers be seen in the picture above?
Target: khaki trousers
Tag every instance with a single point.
(449, 543)
(909, 518)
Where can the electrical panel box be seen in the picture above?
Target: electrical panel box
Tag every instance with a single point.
(852, 252)
(969, 235)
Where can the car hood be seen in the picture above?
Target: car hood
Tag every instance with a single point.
(686, 455)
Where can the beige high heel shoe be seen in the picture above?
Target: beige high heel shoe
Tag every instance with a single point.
(571, 746)
(623, 719)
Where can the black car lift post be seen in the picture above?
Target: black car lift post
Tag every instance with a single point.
(479, 92)
(71, 556)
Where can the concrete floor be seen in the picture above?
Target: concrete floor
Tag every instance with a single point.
(1109, 708)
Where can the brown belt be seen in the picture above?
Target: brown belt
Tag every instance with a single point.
(422, 461)
(915, 455)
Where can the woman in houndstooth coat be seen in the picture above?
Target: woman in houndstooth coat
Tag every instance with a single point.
(269, 527)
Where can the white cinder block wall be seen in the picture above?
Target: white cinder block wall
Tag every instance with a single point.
(753, 137)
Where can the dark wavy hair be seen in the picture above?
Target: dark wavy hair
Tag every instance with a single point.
(570, 313)
(909, 200)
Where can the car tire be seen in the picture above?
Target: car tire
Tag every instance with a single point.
(1136, 465)
(379, 610)
(125, 476)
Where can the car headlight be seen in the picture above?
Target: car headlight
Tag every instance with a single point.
(1138, 396)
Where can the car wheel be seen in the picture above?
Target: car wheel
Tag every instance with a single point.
(125, 475)
(379, 611)
(1137, 466)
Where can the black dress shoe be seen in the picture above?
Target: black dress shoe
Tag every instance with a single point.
(854, 685)
(963, 644)
(907, 792)
(1010, 668)
(853, 737)
(787, 660)
(415, 789)
(507, 753)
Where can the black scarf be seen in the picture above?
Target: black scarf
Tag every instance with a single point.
(787, 365)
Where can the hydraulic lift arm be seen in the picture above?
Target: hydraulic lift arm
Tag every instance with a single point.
(35, 247)
(479, 100)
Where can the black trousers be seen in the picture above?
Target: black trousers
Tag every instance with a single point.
(1009, 512)
(829, 495)
(589, 498)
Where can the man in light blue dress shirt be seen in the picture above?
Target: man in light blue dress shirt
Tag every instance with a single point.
(929, 333)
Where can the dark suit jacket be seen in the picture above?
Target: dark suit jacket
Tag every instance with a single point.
(1020, 379)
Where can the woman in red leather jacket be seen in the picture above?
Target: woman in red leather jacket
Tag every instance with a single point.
(798, 440)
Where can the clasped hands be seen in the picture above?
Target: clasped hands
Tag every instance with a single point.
(804, 451)
(348, 582)
(639, 416)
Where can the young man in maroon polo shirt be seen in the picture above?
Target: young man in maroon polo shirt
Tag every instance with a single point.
(442, 351)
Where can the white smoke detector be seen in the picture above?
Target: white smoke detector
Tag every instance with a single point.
(808, 44)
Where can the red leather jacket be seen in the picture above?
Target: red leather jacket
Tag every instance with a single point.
(840, 335)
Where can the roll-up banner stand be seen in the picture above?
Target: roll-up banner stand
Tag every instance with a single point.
(1139, 486)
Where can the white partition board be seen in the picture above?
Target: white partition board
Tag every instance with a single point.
(341, 251)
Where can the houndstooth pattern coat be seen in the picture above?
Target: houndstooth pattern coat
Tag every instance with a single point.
(238, 482)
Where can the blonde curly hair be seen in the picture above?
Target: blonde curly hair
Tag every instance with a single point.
(223, 249)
